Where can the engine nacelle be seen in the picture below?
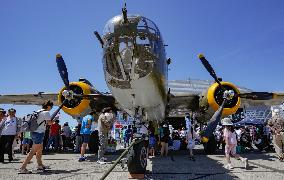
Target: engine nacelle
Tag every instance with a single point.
(213, 98)
(76, 106)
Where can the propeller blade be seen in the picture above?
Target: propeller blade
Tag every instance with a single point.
(57, 110)
(210, 69)
(212, 124)
(62, 70)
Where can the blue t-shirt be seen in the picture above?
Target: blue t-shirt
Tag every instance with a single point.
(85, 121)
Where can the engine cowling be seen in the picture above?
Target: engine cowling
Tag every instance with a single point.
(76, 106)
(215, 98)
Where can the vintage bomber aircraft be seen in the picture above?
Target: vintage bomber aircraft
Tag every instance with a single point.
(136, 72)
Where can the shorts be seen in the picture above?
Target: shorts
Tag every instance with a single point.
(86, 138)
(152, 146)
(230, 149)
(26, 141)
(165, 139)
(37, 138)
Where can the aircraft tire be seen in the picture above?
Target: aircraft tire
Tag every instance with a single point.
(211, 146)
(137, 159)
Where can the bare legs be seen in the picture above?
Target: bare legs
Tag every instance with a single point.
(36, 149)
(164, 149)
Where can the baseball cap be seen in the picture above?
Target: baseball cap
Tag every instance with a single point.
(2, 111)
(11, 110)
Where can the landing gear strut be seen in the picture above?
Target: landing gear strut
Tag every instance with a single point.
(137, 159)
(137, 156)
(211, 146)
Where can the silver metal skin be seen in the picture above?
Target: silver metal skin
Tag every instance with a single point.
(68, 94)
(135, 66)
(229, 94)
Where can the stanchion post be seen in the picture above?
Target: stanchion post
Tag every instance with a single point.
(136, 141)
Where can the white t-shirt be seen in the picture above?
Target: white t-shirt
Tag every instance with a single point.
(238, 132)
(182, 133)
(94, 126)
(66, 131)
(10, 127)
(43, 116)
(143, 130)
(232, 137)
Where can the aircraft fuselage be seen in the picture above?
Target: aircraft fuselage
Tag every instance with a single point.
(135, 66)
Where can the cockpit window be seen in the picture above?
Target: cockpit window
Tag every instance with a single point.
(130, 49)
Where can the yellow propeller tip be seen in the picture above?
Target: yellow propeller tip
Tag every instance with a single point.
(58, 56)
(200, 56)
(204, 139)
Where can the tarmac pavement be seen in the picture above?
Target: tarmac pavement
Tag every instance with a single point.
(176, 166)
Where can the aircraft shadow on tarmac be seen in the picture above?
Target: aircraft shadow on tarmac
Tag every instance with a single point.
(178, 166)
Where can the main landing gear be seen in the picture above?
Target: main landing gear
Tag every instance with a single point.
(137, 159)
(137, 156)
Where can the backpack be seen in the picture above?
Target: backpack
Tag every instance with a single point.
(29, 123)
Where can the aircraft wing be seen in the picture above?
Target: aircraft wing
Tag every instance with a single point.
(29, 99)
(98, 100)
(262, 98)
(181, 103)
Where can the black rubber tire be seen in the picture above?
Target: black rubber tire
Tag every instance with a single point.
(211, 146)
(137, 159)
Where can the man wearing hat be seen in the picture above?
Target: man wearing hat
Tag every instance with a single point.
(230, 138)
(11, 129)
(276, 124)
(2, 119)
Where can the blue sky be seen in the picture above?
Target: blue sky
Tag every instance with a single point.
(242, 39)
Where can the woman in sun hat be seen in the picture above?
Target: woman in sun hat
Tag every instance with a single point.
(230, 138)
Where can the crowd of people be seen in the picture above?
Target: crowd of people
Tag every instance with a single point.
(92, 131)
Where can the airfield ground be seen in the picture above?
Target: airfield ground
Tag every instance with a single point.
(176, 166)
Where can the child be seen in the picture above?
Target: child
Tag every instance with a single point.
(230, 138)
(152, 144)
(26, 142)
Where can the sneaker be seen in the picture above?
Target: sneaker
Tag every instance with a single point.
(101, 162)
(229, 167)
(43, 167)
(104, 158)
(82, 159)
(24, 171)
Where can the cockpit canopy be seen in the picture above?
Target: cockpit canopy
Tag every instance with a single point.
(131, 48)
(142, 23)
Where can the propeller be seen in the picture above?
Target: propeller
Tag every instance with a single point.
(209, 68)
(250, 95)
(227, 95)
(62, 70)
(212, 124)
(58, 109)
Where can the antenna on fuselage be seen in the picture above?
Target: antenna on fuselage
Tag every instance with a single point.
(99, 38)
(124, 13)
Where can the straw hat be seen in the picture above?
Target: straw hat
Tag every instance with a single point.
(227, 122)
